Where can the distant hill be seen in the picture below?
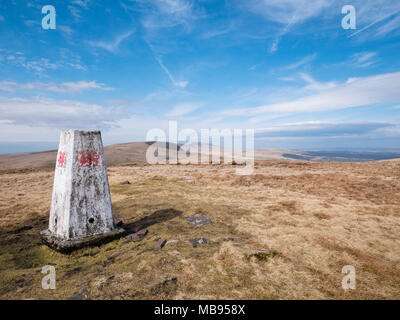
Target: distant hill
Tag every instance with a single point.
(115, 154)
(136, 152)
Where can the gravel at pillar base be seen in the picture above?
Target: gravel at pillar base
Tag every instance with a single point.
(81, 211)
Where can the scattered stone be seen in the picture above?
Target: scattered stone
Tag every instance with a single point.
(262, 255)
(137, 236)
(168, 279)
(198, 220)
(125, 182)
(161, 243)
(195, 242)
(79, 296)
(20, 194)
(191, 181)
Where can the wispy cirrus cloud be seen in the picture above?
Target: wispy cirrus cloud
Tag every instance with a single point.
(65, 87)
(68, 31)
(355, 92)
(182, 109)
(218, 32)
(75, 7)
(314, 85)
(322, 129)
(180, 84)
(364, 59)
(386, 20)
(375, 18)
(302, 62)
(81, 3)
(66, 60)
(159, 14)
(111, 45)
(287, 11)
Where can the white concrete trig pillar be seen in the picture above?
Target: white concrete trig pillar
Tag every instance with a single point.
(81, 211)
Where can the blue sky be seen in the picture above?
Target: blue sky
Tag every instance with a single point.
(286, 68)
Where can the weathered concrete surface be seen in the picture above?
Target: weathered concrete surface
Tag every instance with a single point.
(81, 203)
(66, 246)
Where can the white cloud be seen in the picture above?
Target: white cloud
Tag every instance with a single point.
(180, 84)
(322, 129)
(170, 13)
(65, 87)
(8, 86)
(356, 92)
(113, 45)
(81, 3)
(75, 12)
(43, 112)
(76, 6)
(64, 61)
(217, 32)
(391, 26)
(364, 59)
(360, 60)
(288, 11)
(375, 18)
(182, 109)
(384, 17)
(6, 121)
(157, 15)
(314, 85)
(66, 30)
(302, 62)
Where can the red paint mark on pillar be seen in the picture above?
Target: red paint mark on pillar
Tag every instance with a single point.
(62, 159)
(87, 159)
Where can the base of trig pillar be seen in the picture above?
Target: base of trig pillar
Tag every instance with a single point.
(66, 246)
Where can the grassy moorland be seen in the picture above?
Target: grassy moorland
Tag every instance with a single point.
(316, 217)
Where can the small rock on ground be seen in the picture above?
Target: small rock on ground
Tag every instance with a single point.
(125, 182)
(161, 243)
(198, 241)
(198, 220)
(137, 236)
(79, 296)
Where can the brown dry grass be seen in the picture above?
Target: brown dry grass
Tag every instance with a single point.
(319, 217)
